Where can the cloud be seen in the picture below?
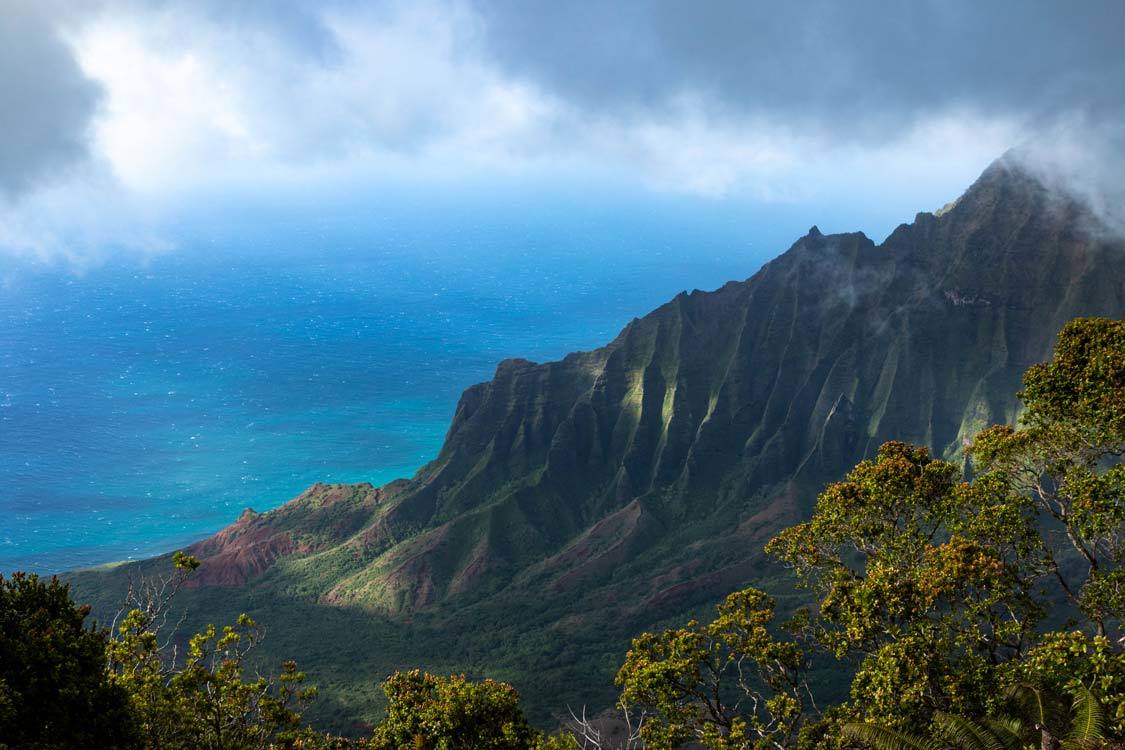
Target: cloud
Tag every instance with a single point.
(80, 223)
(199, 99)
(860, 71)
(833, 105)
(47, 102)
(405, 86)
(192, 98)
(688, 150)
(1085, 160)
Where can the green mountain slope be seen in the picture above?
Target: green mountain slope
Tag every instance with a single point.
(579, 501)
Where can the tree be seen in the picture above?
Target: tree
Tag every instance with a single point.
(1065, 461)
(454, 713)
(927, 582)
(206, 702)
(937, 588)
(54, 688)
(228, 711)
(142, 656)
(1069, 666)
(728, 683)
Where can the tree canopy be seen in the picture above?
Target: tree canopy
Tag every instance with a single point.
(54, 688)
(436, 713)
(941, 592)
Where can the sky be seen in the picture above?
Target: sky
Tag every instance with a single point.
(119, 118)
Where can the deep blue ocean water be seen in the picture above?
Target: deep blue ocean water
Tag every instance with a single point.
(144, 404)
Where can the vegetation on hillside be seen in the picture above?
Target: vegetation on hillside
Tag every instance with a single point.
(578, 503)
(937, 590)
(978, 613)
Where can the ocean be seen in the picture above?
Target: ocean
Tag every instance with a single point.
(144, 404)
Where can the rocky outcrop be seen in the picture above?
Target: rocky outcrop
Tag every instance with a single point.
(315, 520)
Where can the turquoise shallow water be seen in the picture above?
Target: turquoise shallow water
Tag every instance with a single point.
(142, 406)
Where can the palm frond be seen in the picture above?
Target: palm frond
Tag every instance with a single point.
(1089, 719)
(1009, 731)
(967, 734)
(883, 738)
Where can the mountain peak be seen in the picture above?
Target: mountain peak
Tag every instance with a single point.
(784, 380)
(603, 493)
(1022, 181)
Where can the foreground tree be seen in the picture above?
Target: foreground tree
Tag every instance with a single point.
(204, 700)
(1067, 667)
(928, 583)
(1064, 462)
(729, 683)
(54, 689)
(436, 713)
(937, 589)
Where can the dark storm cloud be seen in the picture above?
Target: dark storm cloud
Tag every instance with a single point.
(46, 103)
(859, 69)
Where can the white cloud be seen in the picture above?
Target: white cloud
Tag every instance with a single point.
(81, 222)
(197, 98)
(695, 149)
(1086, 159)
(169, 114)
(191, 102)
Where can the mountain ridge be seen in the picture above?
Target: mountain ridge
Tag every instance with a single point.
(580, 500)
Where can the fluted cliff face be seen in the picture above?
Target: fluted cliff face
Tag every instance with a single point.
(723, 404)
(581, 499)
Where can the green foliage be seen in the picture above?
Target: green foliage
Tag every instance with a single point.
(1082, 388)
(949, 731)
(1089, 720)
(207, 702)
(184, 562)
(884, 738)
(1084, 729)
(435, 713)
(967, 734)
(937, 588)
(727, 683)
(1074, 664)
(54, 690)
(228, 710)
(922, 578)
(1065, 461)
